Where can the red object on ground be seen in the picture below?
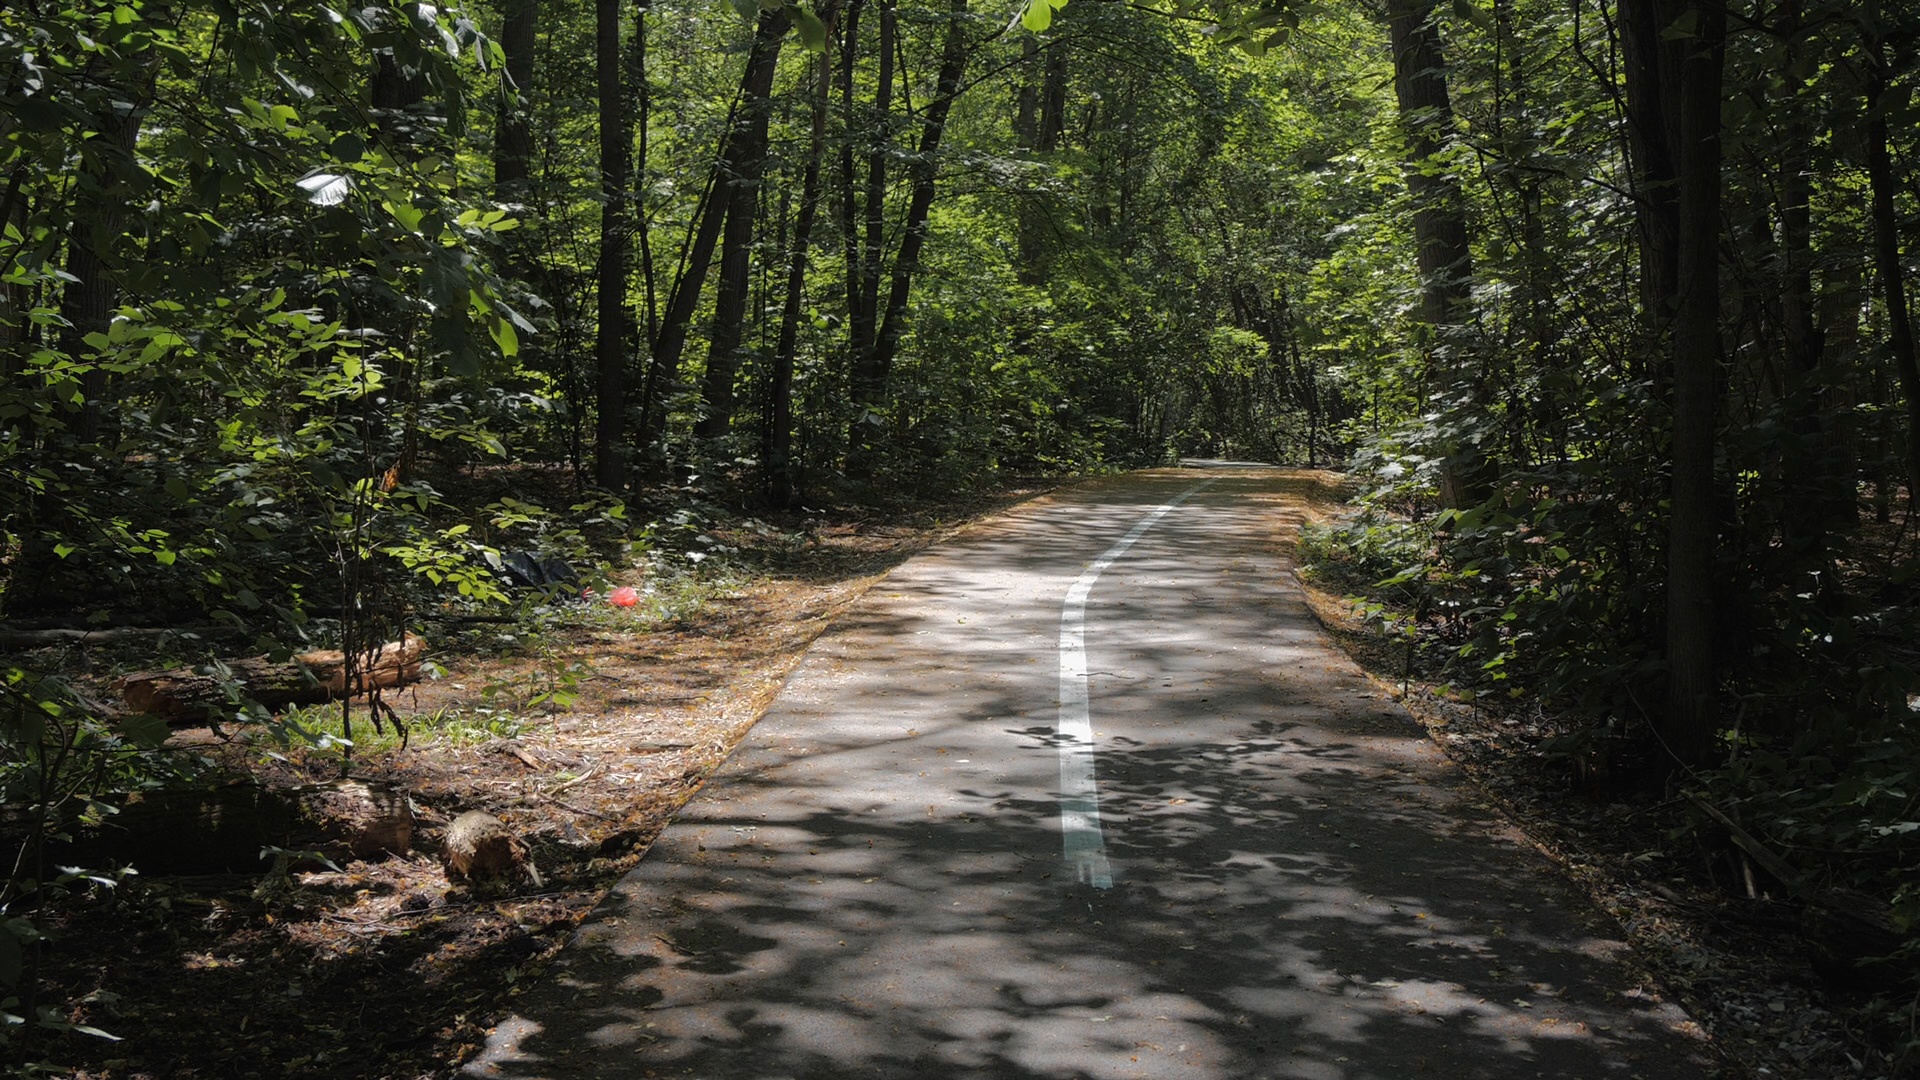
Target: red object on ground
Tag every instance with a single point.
(624, 596)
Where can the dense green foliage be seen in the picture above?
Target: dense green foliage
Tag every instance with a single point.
(285, 285)
(1555, 577)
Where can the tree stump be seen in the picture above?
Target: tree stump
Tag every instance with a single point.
(480, 847)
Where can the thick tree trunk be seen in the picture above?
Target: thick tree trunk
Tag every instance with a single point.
(1691, 722)
(513, 139)
(1442, 252)
(86, 303)
(736, 248)
(479, 847)
(223, 829)
(1652, 62)
(610, 344)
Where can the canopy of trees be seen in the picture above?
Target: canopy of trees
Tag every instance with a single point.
(1605, 297)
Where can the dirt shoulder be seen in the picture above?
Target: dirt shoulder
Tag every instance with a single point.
(584, 739)
(1734, 961)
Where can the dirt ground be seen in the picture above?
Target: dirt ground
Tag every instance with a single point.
(387, 969)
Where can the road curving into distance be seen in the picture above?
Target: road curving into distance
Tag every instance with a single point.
(1085, 794)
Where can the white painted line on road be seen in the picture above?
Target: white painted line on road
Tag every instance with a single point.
(1081, 839)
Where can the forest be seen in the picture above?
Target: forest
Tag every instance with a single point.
(312, 314)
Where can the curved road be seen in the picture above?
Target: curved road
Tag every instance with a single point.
(1083, 795)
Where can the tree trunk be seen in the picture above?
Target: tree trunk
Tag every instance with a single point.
(1442, 252)
(613, 320)
(870, 388)
(864, 252)
(777, 446)
(1842, 295)
(1690, 724)
(859, 322)
(1818, 488)
(1886, 248)
(86, 303)
(756, 82)
(513, 141)
(1652, 64)
(736, 248)
(879, 149)
(1038, 125)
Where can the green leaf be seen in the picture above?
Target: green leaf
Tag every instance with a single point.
(813, 32)
(504, 336)
(143, 730)
(1038, 15)
(1686, 26)
(1472, 12)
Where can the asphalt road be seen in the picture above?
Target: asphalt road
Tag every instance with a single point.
(1086, 794)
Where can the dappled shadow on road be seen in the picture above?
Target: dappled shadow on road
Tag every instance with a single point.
(876, 888)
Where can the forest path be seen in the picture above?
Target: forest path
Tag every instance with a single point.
(1085, 793)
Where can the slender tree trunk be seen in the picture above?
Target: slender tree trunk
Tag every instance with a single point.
(859, 322)
(1039, 125)
(870, 256)
(1886, 248)
(1819, 491)
(1842, 295)
(1691, 722)
(1442, 251)
(610, 346)
(870, 390)
(642, 127)
(777, 446)
(756, 82)
(736, 248)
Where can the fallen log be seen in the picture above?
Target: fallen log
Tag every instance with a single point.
(225, 828)
(15, 638)
(309, 678)
(370, 818)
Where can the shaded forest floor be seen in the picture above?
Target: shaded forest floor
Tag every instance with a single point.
(1737, 962)
(584, 736)
(385, 969)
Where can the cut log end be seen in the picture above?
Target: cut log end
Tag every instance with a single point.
(372, 820)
